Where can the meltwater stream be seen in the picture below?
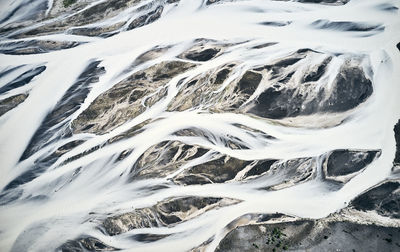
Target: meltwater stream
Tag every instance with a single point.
(168, 125)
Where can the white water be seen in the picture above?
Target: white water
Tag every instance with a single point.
(44, 224)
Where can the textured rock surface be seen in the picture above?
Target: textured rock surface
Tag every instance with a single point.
(88, 18)
(284, 88)
(218, 170)
(288, 98)
(309, 235)
(342, 165)
(128, 98)
(35, 46)
(165, 158)
(166, 213)
(291, 172)
(280, 174)
(384, 199)
(11, 102)
(396, 130)
(86, 244)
